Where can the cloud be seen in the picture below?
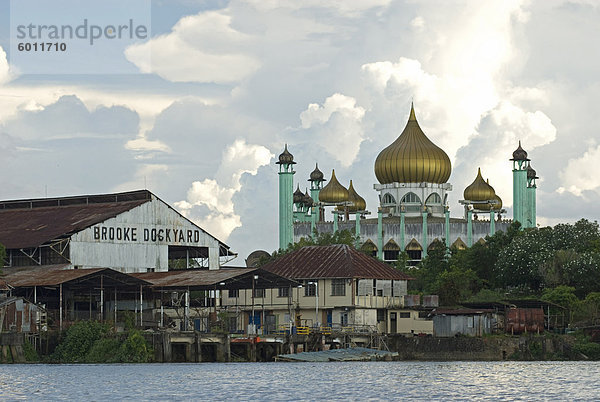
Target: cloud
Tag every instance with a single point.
(581, 174)
(68, 117)
(216, 196)
(200, 48)
(5, 74)
(335, 125)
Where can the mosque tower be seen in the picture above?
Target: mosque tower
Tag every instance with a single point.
(286, 188)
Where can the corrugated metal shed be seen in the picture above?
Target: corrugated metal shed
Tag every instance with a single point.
(335, 261)
(224, 278)
(56, 274)
(31, 223)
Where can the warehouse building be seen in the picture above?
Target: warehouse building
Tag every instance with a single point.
(128, 232)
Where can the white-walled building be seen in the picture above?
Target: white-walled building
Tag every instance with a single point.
(128, 232)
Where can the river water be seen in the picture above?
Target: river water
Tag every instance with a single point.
(304, 381)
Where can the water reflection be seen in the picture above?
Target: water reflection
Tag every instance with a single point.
(304, 381)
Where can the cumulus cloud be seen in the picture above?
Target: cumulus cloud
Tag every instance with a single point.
(580, 174)
(5, 74)
(335, 125)
(216, 196)
(200, 48)
(68, 117)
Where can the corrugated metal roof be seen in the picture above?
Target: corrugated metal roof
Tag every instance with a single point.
(54, 275)
(31, 227)
(230, 278)
(336, 261)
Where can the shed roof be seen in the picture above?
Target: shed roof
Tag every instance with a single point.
(33, 222)
(54, 275)
(224, 278)
(335, 261)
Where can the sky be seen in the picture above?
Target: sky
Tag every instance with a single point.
(229, 83)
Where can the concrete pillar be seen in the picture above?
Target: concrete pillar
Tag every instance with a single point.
(424, 233)
(380, 234)
(492, 222)
(469, 228)
(357, 230)
(402, 230)
(335, 221)
(447, 227)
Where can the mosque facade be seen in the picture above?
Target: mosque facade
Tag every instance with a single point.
(413, 214)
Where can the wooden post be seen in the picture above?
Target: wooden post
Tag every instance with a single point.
(60, 301)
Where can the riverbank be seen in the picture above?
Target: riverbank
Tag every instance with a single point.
(191, 346)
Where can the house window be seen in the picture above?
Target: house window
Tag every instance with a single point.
(233, 293)
(404, 314)
(390, 255)
(380, 315)
(283, 292)
(259, 293)
(310, 288)
(423, 314)
(338, 287)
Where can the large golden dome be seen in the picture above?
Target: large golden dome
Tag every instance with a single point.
(412, 158)
(479, 190)
(333, 192)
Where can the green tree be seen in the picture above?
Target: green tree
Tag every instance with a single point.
(78, 341)
(564, 296)
(455, 285)
(135, 349)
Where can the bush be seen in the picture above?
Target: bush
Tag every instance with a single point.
(78, 341)
(104, 350)
(135, 349)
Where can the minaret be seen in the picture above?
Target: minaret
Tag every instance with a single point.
(520, 204)
(316, 184)
(286, 189)
(531, 196)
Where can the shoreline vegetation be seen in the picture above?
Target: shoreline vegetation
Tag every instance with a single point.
(91, 342)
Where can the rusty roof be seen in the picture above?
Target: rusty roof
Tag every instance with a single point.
(335, 261)
(461, 311)
(54, 275)
(224, 278)
(31, 223)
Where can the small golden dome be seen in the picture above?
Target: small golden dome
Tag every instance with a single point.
(307, 199)
(286, 158)
(358, 203)
(488, 207)
(479, 190)
(316, 175)
(298, 196)
(531, 173)
(519, 154)
(333, 192)
(412, 158)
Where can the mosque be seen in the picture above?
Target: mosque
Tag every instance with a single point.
(413, 213)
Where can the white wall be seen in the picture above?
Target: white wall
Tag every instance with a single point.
(138, 240)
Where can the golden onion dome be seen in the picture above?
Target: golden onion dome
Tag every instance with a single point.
(298, 196)
(316, 175)
(531, 173)
(498, 205)
(286, 158)
(412, 158)
(307, 199)
(479, 190)
(333, 192)
(519, 154)
(488, 207)
(357, 202)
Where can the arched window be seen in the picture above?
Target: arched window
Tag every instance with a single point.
(411, 198)
(433, 199)
(388, 199)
